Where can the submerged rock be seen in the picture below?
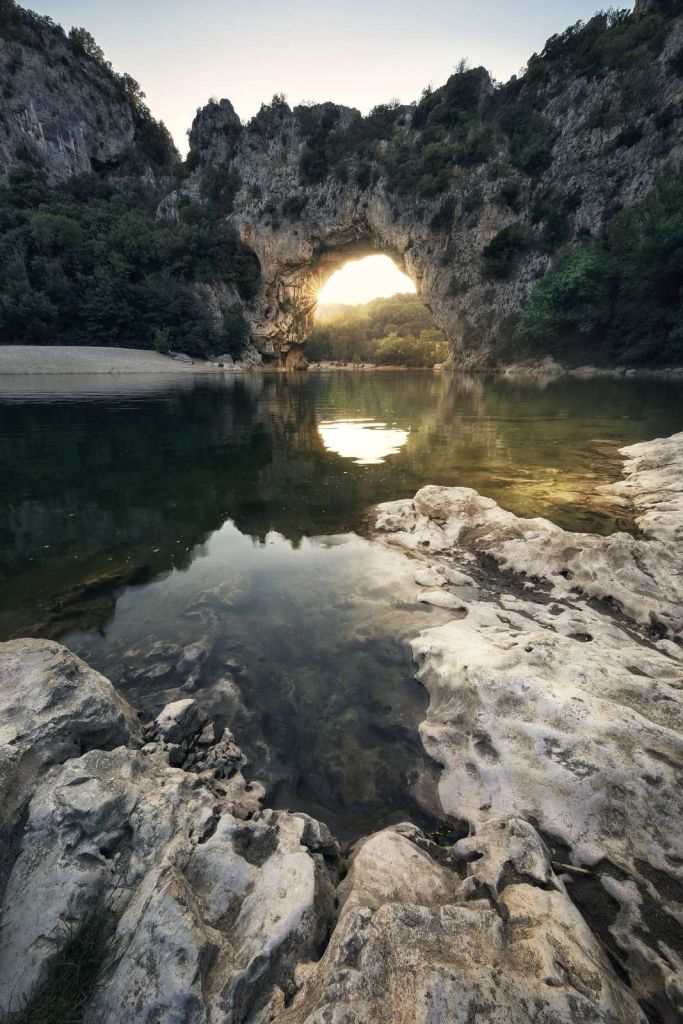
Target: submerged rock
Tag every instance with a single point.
(180, 721)
(553, 894)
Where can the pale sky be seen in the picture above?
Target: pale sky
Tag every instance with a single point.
(357, 52)
(359, 281)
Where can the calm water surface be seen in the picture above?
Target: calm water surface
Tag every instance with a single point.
(139, 516)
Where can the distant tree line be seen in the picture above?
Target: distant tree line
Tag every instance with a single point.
(399, 331)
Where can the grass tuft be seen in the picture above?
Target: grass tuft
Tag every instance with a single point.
(73, 975)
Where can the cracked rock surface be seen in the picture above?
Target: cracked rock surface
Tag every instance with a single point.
(552, 894)
(556, 697)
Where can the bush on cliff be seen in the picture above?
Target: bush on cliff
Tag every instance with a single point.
(88, 263)
(619, 299)
(504, 250)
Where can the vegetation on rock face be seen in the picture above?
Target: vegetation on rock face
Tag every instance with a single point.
(503, 251)
(153, 143)
(422, 149)
(617, 300)
(88, 263)
(63, 996)
(399, 331)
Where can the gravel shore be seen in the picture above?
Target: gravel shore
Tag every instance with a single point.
(20, 359)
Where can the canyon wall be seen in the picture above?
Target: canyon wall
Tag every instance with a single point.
(548, 159)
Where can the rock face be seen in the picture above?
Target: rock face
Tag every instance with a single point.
(304, 219)
(213, 911)
(224, 912)
(61, 109)
(556, 697)
(60, 709)
(553, 155)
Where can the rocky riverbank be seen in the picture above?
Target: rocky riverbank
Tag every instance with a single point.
(555, 696)
(552, 892)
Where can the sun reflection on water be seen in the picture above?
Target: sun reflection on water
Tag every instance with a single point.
(367, 442)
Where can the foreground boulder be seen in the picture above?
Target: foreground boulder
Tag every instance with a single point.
(211, 911)
(223, 912)
(556, 696)
(52, 707)
(418, 942)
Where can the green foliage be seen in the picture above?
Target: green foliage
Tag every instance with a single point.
(313, 166)
(89, 263)
(395, 331)
(443, 218)
(83, 43)
(339, 147)
(435, 169)
(454, 101)
(620, 299)
(574, 298)
(219, 187)
(531, 135)
(606, 41)
(152, 139)
(503, 251)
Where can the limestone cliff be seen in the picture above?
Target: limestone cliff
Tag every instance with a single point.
(64, 109)
(474, 190)
(552, 156)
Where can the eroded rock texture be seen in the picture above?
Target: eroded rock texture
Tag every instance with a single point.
(225, 912)
(310, 188)
(64, 111)
(556, 697)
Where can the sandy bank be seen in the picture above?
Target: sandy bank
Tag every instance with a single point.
(22, 359)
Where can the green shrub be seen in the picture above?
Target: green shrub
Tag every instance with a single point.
(502, 252)
(629, 135)
(531, 135)
(443, 218)
(620, 299)
(396, 330)
(448, 105)
(89, 263)
(313, 165)
(435, 169)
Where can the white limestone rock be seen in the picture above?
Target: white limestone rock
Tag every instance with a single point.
(179, 721)
(643, 577)
(52, 707)
(412, 945)
(564, 714)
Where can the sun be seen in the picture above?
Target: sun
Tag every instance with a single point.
(359, 281)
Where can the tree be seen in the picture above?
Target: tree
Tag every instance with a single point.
(84, 43)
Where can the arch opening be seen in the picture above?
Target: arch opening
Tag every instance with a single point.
(363, 279)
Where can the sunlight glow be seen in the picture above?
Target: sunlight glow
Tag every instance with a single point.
(367, 442)
(359, 281)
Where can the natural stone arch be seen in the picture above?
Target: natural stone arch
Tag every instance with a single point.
(308, 187)
(283, 314)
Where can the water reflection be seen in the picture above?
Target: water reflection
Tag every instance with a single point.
(136, 519)
(367, 442)
(131, 481)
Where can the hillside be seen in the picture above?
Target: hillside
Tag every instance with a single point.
(540, 215)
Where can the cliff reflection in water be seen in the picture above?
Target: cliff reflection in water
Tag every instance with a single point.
(111, 478)
(235, 512)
